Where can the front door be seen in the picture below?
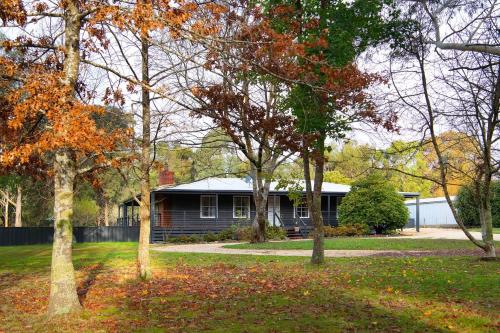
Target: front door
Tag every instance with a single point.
(273, 210)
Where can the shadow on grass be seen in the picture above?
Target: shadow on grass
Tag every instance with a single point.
(87, 283)
(188, 303)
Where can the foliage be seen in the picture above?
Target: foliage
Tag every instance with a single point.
(275, 233)
(233, 233)
(461, 152)
(85, 212)
(403, 164)
(226, 234)
(214, 158)
(185, 239)
(210, 237)
(374, 202)
(346, 230)
(466, 205)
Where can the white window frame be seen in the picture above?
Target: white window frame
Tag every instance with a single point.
(303, 203)
(216, 206)
(248, 207)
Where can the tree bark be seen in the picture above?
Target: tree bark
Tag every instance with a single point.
(106, 212)
(260, 194)
(6, 210)
(487, 227)
(143, 265)
(19, 206)
(314, 202)
(63, 297)
(318, 255)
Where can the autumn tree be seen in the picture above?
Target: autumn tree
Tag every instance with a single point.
(244, 102)
(51, 110)
(327, 91)
(147, 28)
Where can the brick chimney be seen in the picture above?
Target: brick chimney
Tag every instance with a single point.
(167, 178)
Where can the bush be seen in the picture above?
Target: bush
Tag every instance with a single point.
(373, 202)
(243, 233)
(346, 230)
(467, 207)
(210, 237)
(185, 239)
(227, 234)
(272, 233)
(233, 233)
(275, 233)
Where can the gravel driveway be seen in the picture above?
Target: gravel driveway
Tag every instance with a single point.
(432, 233)
(441, 233)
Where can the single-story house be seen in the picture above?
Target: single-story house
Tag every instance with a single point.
(215, 204)
(434, 212)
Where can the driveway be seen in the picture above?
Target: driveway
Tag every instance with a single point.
(442, 233)
(432, 233)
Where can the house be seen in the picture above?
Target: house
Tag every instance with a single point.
(215, 204)
(434, 212)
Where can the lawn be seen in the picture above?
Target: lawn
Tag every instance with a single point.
(385, 243)
(495, 230)
(228, 293)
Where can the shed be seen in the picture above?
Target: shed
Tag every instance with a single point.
(434, 212)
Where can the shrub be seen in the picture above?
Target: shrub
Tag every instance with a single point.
(243, 233)
(235, 233)
(467, 207)
(185, 239)
(346, 230)
(272, 233)
(275, 233)
(373, 202)
(210, 237)
(226, 234)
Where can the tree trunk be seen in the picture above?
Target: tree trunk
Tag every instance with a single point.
(19, 206)
(63, 297)
(260, 195)
(143, 265)
(314, 200)
(106, 213)
(259, 222)
(318, 255)
(487, 229)
(6, 210)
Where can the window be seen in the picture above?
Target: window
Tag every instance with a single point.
(208, 206)
(301, 210)
(241, 207)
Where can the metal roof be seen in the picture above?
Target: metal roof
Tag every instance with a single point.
(214, 184)
(244, 185)
(429, 200)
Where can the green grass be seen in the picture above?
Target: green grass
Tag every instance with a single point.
(363, 244)
(238, 293)
(495, 230)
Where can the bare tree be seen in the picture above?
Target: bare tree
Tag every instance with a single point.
(458, 91)
(461, 25)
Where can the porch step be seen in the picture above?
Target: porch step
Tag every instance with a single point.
(292, 234)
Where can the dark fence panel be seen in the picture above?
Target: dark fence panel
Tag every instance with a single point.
(44, 235)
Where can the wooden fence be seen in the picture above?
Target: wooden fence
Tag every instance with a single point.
(45, 235)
